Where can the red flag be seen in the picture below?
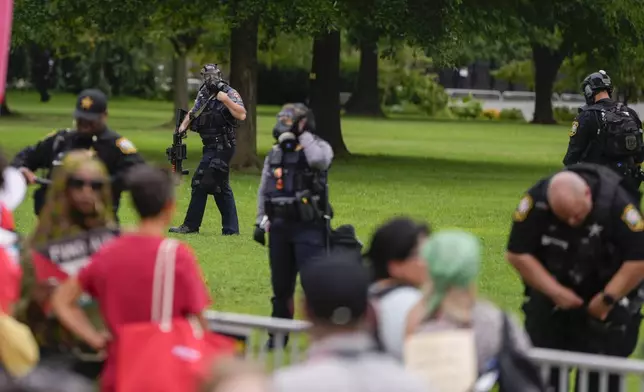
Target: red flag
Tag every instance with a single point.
(6, 16)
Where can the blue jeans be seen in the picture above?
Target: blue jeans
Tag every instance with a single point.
(225, 199)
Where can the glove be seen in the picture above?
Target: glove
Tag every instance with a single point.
(259, 235)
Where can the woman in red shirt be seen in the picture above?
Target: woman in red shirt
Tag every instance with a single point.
(120, 276)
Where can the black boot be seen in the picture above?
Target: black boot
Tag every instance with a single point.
(183, 229)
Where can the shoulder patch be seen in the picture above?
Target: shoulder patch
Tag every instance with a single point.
(633, 219)
(573, 130)
(523, 209)
(126, 146)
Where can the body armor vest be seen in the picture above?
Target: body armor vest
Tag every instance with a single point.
(293, 190)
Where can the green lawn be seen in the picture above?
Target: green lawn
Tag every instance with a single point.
(452, 174)
(469, 175)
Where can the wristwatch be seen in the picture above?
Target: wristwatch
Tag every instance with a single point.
(608, 299)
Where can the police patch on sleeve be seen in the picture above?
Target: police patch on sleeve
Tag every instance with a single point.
(573, 130)
(523, 209)
(126, 146)
(633, 219)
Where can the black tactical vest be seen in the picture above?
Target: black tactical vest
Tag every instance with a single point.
(293, 190)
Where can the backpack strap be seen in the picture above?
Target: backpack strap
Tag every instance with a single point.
(376, 296)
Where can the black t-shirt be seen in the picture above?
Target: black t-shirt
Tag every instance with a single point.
(538, 232)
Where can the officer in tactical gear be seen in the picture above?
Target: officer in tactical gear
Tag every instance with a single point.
(607, 132)
(578, 243)
(91, 133)
(214, 116)
(292, 203)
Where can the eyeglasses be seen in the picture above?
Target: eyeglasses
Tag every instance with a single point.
(79, 183)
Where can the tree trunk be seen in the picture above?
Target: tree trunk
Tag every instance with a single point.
(546, 66)
(325, 90)
(4, 108)
(365, 99)
(243, 77)
(180, 82)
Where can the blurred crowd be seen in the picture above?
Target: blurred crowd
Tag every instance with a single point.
(80, 297)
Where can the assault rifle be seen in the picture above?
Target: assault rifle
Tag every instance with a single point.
(178, 152)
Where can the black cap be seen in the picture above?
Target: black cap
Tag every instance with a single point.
(335, 288)
(90, 105)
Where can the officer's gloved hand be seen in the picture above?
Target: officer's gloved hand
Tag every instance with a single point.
(259, 235)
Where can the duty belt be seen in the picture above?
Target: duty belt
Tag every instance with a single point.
(221, 139)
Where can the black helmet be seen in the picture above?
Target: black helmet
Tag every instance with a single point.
(211, 74)
(594, 83)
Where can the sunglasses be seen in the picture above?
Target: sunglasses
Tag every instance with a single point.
(79, 183)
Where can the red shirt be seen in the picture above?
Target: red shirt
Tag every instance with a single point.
(10, 271)
(120, 278)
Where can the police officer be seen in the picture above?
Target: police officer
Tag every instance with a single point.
(292, 205)
(214, 116)
(92, 133)
(607, 132)
(578, 243)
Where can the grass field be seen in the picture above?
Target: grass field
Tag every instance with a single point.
(453, 174)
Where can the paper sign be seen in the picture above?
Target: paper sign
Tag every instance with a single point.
(6, 16)
(445, 360)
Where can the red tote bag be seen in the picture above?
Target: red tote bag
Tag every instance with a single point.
(166, 354)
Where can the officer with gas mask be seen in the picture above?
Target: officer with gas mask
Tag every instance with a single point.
(577, 241)
(292, 203)
(607, 132)
(214, 116)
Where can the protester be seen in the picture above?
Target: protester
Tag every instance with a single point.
(120, 276)
(234, 375)
(453, 260)
(398, 272)
(76, 220)
(343, 356)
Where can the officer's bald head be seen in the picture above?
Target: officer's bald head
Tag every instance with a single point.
(570, 197)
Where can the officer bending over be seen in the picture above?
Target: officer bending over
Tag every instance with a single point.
(91, 133)
(292, 201)
(607, 132)
(214, 116)
(578, 243)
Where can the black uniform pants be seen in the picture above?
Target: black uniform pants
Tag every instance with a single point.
(224, 199)
(291, 246)
(575, 330)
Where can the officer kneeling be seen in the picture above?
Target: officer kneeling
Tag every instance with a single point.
(292, 201)
(578, 243)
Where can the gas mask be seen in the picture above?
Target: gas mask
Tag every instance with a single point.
(213, 78)
(286, 128)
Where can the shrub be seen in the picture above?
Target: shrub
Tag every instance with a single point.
(466, 108)
(564, 114)
(400, 86)
(512, 115)
(491, 114)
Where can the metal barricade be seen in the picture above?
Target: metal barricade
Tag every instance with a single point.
(252, 331)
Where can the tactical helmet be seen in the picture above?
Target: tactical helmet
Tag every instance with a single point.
(594, 83)
(211, 74)
(290, 116)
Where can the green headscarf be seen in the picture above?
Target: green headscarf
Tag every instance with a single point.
(453, 259)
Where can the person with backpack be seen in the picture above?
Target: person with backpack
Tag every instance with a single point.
(577, 240)
(398, 272)
(608, 133)
(493, 341)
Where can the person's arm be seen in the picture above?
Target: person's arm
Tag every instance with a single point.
(233, 102)
(38, 156)
(260, 192)
(192, 297)
(200, 100)
(629, 239)
(318, 152)
(580, 136)
(65, 305)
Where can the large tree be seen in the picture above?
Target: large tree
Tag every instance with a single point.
(560, 29)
